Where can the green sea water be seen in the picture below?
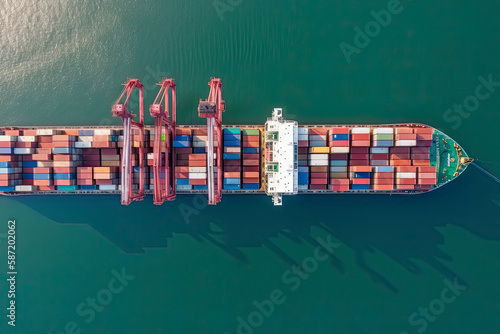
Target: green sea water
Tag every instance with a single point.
(399, 264)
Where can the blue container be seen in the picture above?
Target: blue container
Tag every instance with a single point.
(85, 132)
(184, 182)
(303, 178)
(200, 187)
(340, 136)
(64, 176)
(6, 150)
(183, 138)
(67, 188)
(178, 143)
(360, 186)
(232, 131)
(232, 137)
(251, 150)
(384, 169)
(338, 162)
(42, 176)
(199, 150)
(303, 169)
(251, 186)
(5, 164)
(232, 186)
(231, 156)
(7, 170)
(8, 188)
(30, 163)
(113, 138)
(28, 176)
(382, 143)
(89, 187)
(362, 175)
(63, 150)
(232, 143)
(232, 181)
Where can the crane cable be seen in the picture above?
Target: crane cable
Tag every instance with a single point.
(486, 172)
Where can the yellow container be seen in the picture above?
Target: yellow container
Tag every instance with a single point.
(318, 149)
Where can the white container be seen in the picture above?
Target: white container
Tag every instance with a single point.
(83, 144)
(8, 138)
(303, 187)
(108, 187)
(406, 175)
(26, 139)
(19, 150)
(232, 149)
(45, 164)
(303, 137)
(318, 156)
(103, 132)
(406, 143)
(150, 156)
(197, 169)
(318, 162)
(379, 150)
(317, 137)
(303, 131)
(360, 130)
(197, 176)
(183, 186)
(383, 131)
(200, 138)
(199, 144)
(338, 169)
(46, 132)
(339, 149)
(87, 138)
(26, 188)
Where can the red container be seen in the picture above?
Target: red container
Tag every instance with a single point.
(109, 151)
(420, 150)
(198, 182)
(7, 144)
(379, 156)
(45, 145)
(426, 175)
(183, 150)
(400, 156)
(43, 182)
(46, 188)
(360, 169)
(84, 169)
(13, 132)
(405, 186)
(430, 169)
(64, 169)
(319, 181)
(63, 144)
(64, 182)
(42, 170)
(319, 175)
(339, 143)
(250, 162)
(383, 187)
(182, 163)
(427, 143)
(85, 176)
(45, 139)
(91, 151)
(318, 131)
(424, 136)
(251, 144)
(360, 136)
(400, 163)
(25, 144)
(406, 136)
(182, 156)
(317, 186)
(360, 150)
(232, 169)
(406, 169)
(184, 131)
(251, 180)
(383, 181)
(104, 144)
(232, 163)
(339, 131)
(339, 182)
(251, 169)
(424, 187)
(359, 162)
(338, 188)
(386, 175)
(360, 156)
(182, 169)
(303, 143)
(251, 156)
(92, 157)
(360, 181)
(63, 138)
(105, 182)
(42, 157)
(364, 143)
(339, 156)
(420, 156)
(400, 130)
(399, 150)
(406, 181)
(86, 182)
(62, 157)
(423, 130)
(303, 150)
(91, 163)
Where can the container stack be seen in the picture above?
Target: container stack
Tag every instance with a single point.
(339, 157)
(424, 136)
(85, 139)
(10, 164)
(85, 178)
(360, 177)
(360, 147)
(232, 159)
(65, 160)
(420, 156)
(106, 178)
(406, 177)
(383, 137)
(427, 177)
(405, 137)
(183, 148)
(197, 171)
(91, 157)
(400, 156)
(251, 159)
(383, 178)
(379, 156)
(200, 138)
(318, 158)
(303, 144)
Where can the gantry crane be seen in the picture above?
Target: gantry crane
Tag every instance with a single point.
(212, 109)
(164, 190)
(121, 110)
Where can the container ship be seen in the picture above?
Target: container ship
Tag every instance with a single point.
(277, 158)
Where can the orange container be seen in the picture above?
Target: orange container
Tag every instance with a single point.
(198, 182)
(71, 132)
(182, 169)
(406, 136)
(84, 169)
(405, 186)
(404, 130)
(250, 174)
(42, 170)
(104, 144)
(424, 136)
(45, 145)
(232, 175)
(64, 169)
(339, 182)
(383, 181)
(406, 169)
(197, 163)
(85, 182)
(199, 132)
(430, 169)
(360, 168)
(45, 139)
(64, 182)
(251, 163)
(29, 132)
(400, 162)
(425, 130)
(253, 144)
(421, 162)
(46, 188)
(43, 151)
(360, 136)
(182, 132)
(42, 157)
(383, 187)
(85, 176)
(360, 181)
(43, 182)
(318, 131)
(197, 156)
(13, 132)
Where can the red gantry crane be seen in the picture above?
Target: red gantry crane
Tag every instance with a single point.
(164, 190)
(212, 109)
(120, 110)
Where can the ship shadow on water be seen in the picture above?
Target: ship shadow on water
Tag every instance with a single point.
(404, 228)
